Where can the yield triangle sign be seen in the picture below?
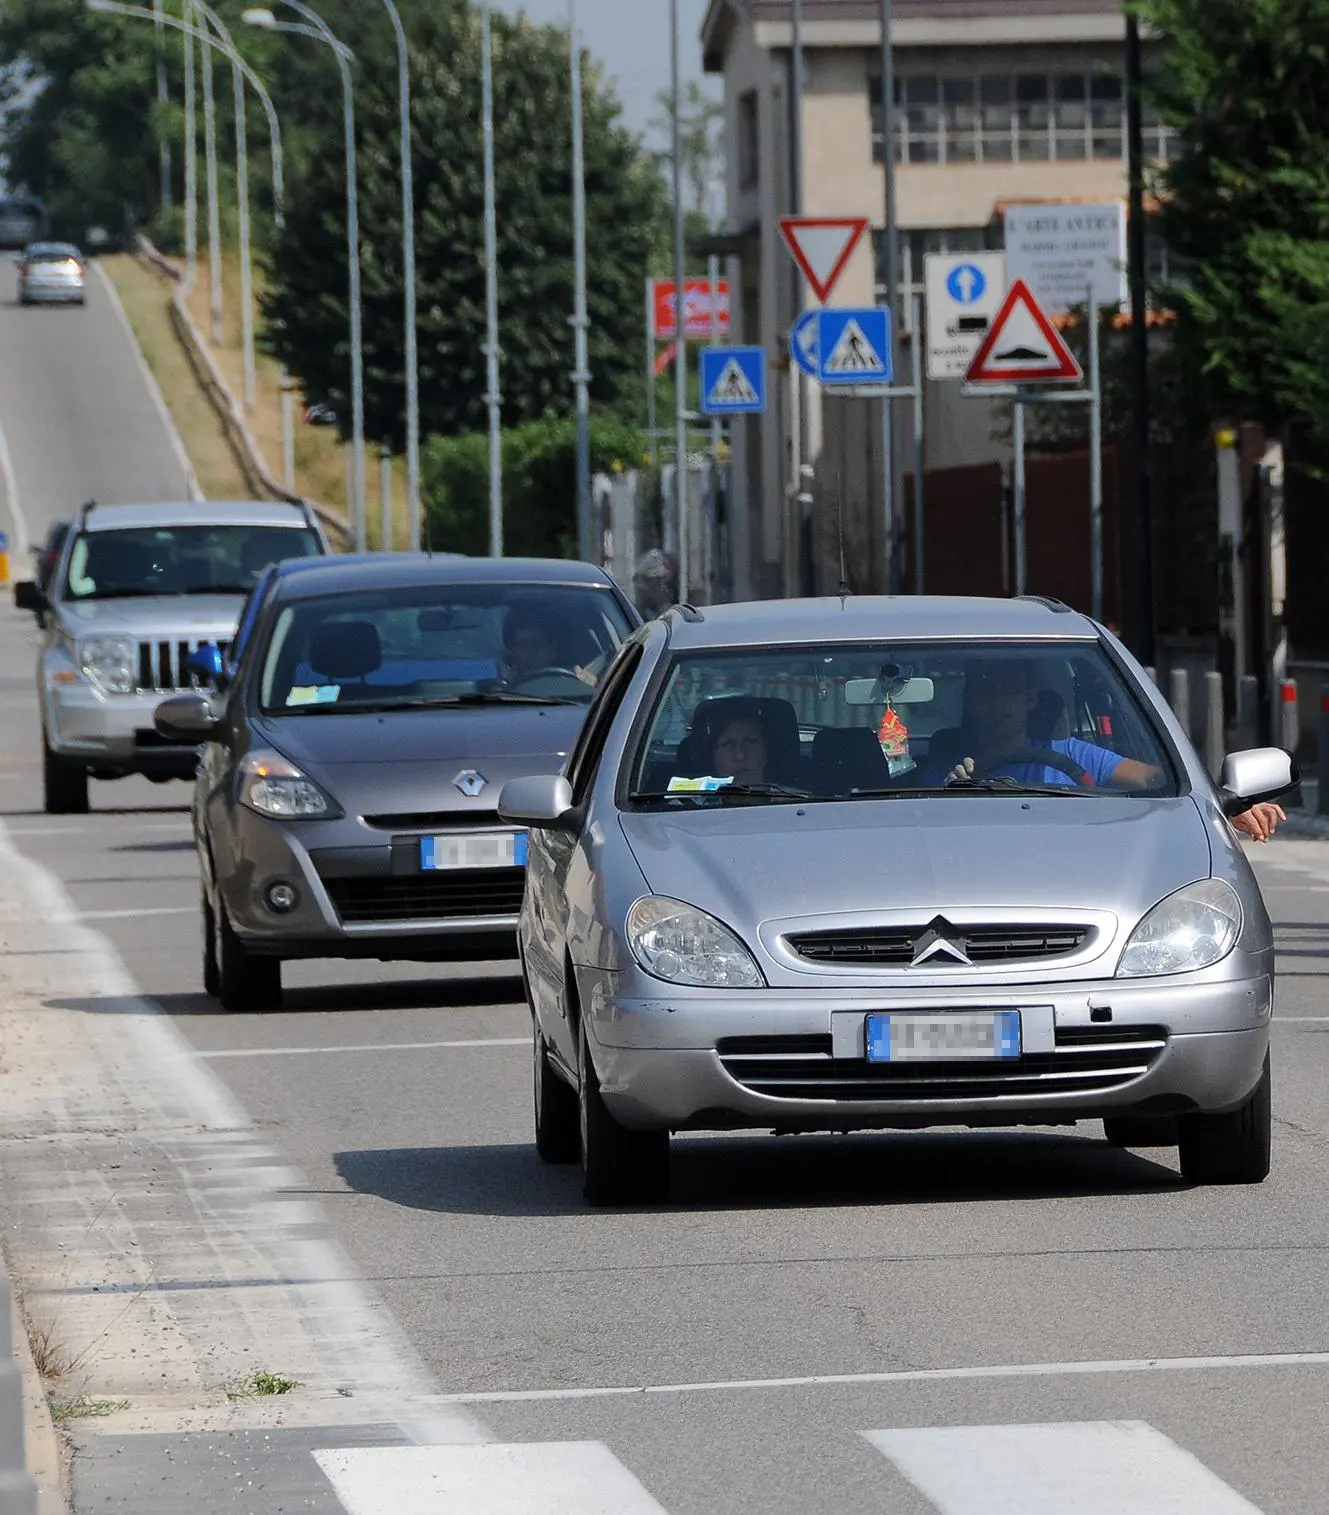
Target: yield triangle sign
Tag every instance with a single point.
(1022, 346)
(822, 247)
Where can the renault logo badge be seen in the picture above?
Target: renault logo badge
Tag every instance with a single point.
(940, 944)
(470, 783)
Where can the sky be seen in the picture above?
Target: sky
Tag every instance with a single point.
(631, 38)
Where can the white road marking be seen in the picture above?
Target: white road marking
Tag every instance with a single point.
(120, 915)
(1090, 1467)
(527, 1478)
(492, 1041)
(909, 1375)
(195, 492)
(81, 824)
(1297, 1020)
(22, 541)
(128, 1161)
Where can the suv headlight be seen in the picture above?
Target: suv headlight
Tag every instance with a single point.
(683, 945)
(1193, 928)
(276, 788)
(110, 662)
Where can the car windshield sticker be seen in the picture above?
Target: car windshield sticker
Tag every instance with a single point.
(314, 694)
(698, 785)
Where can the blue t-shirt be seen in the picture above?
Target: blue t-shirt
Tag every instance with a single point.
(1098, 763)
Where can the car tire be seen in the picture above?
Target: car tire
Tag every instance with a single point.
(64, 784)
(619, 1166)
(211, 968)
(246, 982)
(557, 1118)
(1232, 1148)
(1140, 1130)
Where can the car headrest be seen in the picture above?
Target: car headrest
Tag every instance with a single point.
(777, 719)
(346, 650)
(849, 758)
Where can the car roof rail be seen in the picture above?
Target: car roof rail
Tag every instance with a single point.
(85, 510)
(686, 612)
(1058, 607)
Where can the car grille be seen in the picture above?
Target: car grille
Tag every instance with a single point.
(161, 665)
(895, 946)
(434, 820)
(466, 894)
(1087, 1060)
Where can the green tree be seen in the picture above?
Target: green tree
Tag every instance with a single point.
(1246, 201)
(306, 306)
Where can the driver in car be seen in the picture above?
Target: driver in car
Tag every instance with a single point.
(531, 646)
(999, 698)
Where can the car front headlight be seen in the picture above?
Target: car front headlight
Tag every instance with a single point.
(110, 662)
(683, 945)
(1191, 929)
(276, 788)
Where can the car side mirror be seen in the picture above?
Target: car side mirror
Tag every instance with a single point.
(1255, 777)
(186, 718)
(543, 801)
(29, 595)
(208, 666)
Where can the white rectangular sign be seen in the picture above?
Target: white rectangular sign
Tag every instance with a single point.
(1060, 250)
(964, 292)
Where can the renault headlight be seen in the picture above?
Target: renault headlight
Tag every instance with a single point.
(276, 788)
(1193, 928)
(683, 945)
(110, 662)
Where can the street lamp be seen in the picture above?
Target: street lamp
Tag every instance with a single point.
(493, 396)
(581, 378)
(408, 275)
(319, 30)
(680, 313)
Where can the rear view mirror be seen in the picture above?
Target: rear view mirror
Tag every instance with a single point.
(545, 800)
(898, 691)
(28, 595)
(207, 665)
(1258, 775)
(187, 718)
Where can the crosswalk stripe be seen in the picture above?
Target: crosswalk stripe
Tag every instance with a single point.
(1091, 1467)
(527, 1478)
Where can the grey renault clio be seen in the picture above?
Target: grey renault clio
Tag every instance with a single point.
(346, 801)
(865, 863)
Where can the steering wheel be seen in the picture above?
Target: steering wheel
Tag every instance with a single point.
(1036, 757)
(517, 686)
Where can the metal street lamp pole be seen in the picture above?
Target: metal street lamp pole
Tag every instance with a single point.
(320, 31)
(191, 152)
(408, 276)
(581, 321)
(1140, 421)
(493, 397)
(680, 314)
(799, 393)
(214, 204)
(890, 431)
(164, 148)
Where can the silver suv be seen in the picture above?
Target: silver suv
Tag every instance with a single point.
(138, 591)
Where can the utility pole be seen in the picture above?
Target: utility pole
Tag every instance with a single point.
(1140, 416)
(493, 397)
(680, 313)
(581, 378)
(889, 429)
(799, 393)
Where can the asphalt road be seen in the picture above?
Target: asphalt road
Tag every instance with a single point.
(345, 1194)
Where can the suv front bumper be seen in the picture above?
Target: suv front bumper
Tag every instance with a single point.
(111, 733)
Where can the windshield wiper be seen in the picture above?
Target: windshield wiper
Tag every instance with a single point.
(122, 594)
(214, 589)
(423, 702)
(743, 791)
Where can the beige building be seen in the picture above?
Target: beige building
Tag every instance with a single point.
(997, 101)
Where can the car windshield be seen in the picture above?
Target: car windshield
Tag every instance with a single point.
(180, 559)
(440, 644)
(835, 722)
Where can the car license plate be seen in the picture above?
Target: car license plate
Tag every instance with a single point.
(440, 853)
(953, 1037)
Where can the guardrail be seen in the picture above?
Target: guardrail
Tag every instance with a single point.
(18, 1493)
(212, 381)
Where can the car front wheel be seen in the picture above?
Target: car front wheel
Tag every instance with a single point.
(1232, 1148)
(211, 970)
(245, 981)
(619, 1166)
(64, 785)
(557, 1121)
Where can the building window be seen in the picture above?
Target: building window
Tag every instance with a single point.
(1023, 118)
(749, 146)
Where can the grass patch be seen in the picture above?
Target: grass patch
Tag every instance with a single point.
(49, 1354)
(261, 1385)
(83, 1408)
(147, 298)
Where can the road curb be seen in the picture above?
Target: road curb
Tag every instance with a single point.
(45, 1447)
(18, 1492)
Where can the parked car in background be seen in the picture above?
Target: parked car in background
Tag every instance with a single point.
(46, 558)
(346, 802)
(52, 273)
(22, 220)
(867, 863)
(137, 591)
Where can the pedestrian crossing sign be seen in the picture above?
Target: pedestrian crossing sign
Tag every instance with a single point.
(854, 347)
(733, 381)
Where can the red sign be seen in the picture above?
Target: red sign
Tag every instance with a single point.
(1022, 346)
(664, 359)
(822, 247)
(696, 310)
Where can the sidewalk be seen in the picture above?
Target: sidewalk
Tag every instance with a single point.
(43, 1448)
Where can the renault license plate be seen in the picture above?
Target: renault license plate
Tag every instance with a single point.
(493, 850)
(952, 1037)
